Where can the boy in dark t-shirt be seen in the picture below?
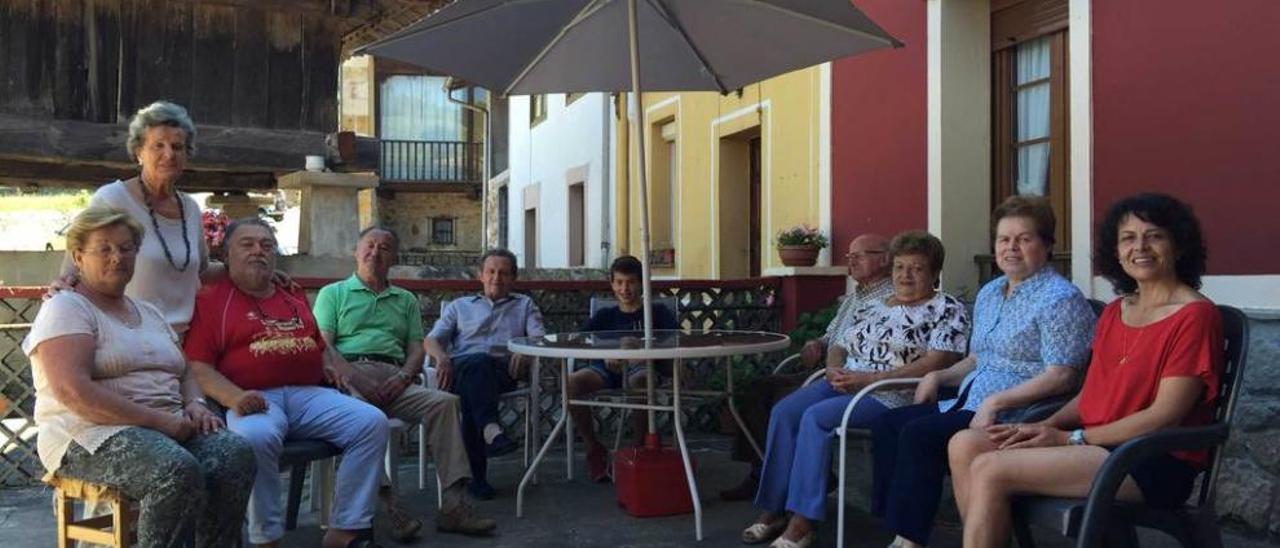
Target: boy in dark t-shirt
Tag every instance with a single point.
(624, 279)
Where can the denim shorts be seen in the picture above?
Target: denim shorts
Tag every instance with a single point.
(613, 379)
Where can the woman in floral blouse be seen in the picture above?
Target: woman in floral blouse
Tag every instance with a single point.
(913, 332)
(1031, 338)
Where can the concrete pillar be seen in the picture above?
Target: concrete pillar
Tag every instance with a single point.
(959, 135)
(329, 223)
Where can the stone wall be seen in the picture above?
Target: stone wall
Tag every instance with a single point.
(1249, 487)
(29, 267)
(410, 214)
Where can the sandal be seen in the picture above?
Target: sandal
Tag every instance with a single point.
(759, 533)
(804, 542)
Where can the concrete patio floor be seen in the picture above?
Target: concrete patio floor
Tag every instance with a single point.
(561, 513)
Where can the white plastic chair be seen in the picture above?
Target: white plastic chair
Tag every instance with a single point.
(528, 394)
(392, 460)
(322, 471)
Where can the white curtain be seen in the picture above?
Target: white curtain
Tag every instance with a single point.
(416, 108)
(1033, 63)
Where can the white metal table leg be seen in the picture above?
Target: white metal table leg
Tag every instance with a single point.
(531, 472)
(684, 451)
(733, 409)
(534, 416)
(568, 420)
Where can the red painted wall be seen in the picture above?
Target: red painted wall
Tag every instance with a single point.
(878, 116)
(1186, 100)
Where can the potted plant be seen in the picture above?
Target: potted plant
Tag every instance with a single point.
(799, 245)
(215, 223)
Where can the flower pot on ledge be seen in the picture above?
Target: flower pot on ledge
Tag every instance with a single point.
(798, 255)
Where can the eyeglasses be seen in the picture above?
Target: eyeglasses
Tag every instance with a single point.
(106, 251)
(860, 254)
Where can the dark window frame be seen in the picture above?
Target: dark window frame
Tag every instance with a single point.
(1004, 116)
(452, 232)
(537, 109)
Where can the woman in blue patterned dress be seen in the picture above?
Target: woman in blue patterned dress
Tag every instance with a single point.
(1031, 337)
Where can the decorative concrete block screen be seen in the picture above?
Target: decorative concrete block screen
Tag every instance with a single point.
(717, 304)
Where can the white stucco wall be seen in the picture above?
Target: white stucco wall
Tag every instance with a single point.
(572, 141)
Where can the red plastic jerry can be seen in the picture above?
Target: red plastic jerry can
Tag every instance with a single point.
(651, 481)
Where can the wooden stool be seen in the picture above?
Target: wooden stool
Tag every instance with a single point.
(114, 529)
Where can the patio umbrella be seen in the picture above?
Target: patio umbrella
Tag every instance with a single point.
(518, 47)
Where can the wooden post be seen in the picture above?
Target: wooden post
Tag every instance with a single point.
(121, 524)
(65, 511)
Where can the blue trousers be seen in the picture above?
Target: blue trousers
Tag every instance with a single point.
(909, 463)
(314, 412)
(798, 450)
(478, 381)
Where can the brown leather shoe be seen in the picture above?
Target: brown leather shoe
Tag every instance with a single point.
(463, 519)
(404, 527)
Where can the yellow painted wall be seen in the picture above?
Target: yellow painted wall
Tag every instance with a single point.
(711, 133)
(357, 100)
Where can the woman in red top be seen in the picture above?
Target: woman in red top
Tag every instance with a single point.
(1157, 357)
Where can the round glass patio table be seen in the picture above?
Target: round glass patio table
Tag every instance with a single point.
(676, 345)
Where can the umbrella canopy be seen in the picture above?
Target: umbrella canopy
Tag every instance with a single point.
(560, 46)
(518, 47)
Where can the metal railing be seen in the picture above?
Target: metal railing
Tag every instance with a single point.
(430, 161)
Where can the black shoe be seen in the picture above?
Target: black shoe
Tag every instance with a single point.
(481, 489)
(742, 491)
(501, 445)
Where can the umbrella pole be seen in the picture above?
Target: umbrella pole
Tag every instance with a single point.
(647, 294)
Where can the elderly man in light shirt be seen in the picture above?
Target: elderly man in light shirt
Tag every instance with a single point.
(377, 327)
(468, 346)
(868, 265)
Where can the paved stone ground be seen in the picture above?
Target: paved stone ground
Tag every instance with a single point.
(558, 513)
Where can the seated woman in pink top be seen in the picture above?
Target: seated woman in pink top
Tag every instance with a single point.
(116, 404)
(1157, 359)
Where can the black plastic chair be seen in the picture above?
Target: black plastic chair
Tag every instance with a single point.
(1101, 521)
(295, 456)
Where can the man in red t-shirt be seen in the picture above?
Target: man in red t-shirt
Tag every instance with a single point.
(256, 349)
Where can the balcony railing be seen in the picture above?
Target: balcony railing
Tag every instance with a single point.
(430, 161)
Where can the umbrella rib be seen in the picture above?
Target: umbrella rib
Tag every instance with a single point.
(411, 31)
(661, 8)
(890, 41)
(582, 14)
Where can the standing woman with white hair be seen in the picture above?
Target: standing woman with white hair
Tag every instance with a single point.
(173, 257)
(173, 260)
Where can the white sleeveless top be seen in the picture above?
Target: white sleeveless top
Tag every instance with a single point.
(155, 280)
(142, 363)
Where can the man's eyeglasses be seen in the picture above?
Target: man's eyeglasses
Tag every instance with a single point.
(860, 254)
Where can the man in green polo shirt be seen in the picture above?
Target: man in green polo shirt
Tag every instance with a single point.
(377, 328)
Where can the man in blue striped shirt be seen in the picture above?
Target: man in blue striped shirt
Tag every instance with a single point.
(468, 347)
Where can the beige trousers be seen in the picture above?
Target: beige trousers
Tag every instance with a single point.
(436, 410)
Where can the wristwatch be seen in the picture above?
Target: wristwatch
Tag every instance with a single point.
(1077, 437)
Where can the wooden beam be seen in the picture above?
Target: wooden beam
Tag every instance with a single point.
(217, 147)
(46, 172)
